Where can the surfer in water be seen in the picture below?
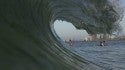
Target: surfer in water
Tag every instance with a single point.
(70, 42)
(103, 43)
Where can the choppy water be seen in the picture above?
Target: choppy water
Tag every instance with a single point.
(111, 57)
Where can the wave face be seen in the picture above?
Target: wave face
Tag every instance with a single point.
(28, 40)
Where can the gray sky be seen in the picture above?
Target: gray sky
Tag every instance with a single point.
(67, 31)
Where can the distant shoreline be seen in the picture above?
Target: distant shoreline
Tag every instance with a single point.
(97, 40)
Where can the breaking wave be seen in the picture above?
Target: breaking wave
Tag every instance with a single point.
(28, 40)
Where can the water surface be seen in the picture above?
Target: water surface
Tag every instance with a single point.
(111, 57)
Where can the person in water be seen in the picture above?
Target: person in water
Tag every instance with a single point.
(70, 42)
(103, 43)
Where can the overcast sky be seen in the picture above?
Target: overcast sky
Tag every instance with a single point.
(67, 31)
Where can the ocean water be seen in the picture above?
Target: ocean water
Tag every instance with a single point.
(111, 57)
(28, 40)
